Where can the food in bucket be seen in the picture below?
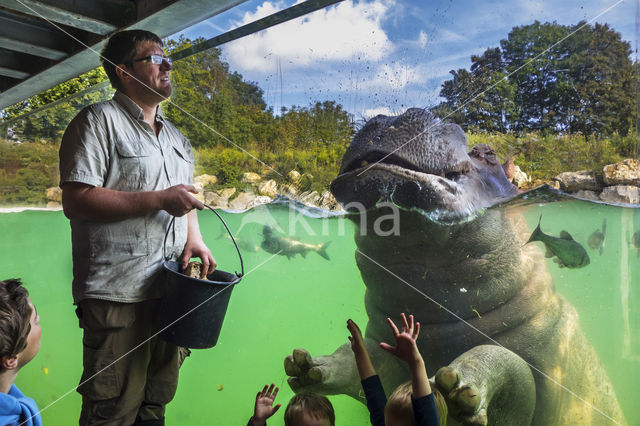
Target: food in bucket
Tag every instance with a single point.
(194, 270)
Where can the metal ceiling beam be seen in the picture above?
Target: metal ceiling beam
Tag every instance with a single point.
(30, 48)
(13, 73)
(65, 16)
(14, 67)
(175, 17)
(30, 36)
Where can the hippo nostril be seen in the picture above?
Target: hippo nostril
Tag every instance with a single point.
(454, 176)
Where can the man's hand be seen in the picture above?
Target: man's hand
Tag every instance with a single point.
(178, 201)
(263, 408)
(195, 247)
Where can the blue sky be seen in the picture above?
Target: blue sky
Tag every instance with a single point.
(382, 56)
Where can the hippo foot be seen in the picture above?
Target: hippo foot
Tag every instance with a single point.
(301, 370)
(465, 402)
(326, 375)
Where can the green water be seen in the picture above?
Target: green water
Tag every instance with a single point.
(285, 303)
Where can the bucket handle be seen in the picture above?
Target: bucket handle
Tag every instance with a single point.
(172, 224)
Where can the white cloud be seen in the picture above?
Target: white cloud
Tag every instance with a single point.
(450, 36)
(338, 33)
(422, 39)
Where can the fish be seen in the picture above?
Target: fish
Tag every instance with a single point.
(288, 246)
(596, 239)
(635, 240)
(568, 252)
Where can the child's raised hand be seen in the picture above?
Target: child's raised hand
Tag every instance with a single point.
(406, 348)
(357, 343)
(264, 408)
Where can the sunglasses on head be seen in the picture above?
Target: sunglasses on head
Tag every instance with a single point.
(155, 59)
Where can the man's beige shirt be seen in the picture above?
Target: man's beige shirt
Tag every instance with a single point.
(109, 145)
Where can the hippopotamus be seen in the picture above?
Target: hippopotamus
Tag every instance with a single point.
(499, 342)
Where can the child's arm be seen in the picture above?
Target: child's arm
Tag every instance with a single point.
(263, 408)
(407, 350)
(365, 367)
(371, 385)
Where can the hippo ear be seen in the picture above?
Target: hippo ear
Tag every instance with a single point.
(565, 235)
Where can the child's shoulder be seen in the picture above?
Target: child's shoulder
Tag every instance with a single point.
(15, 406)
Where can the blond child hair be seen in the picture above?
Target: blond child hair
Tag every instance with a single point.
(400, 408)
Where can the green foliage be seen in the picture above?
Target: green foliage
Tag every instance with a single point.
(214, 106)
(228, 164)
(26, 171)
(49, 124)
(544, 156)
(547, 78)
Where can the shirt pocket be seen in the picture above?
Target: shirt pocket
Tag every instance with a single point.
(134, 164)
(183, 162)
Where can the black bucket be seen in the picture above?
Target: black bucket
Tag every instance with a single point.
(192, 310)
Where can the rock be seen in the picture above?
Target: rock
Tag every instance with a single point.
(588, 195)
(199, 182)
(241, 200)
(247, 200)
(293, 176)
(250, 177)
(216, 201)
(260, 199)
(575, 181)
(268, 188)
(205, 179)
(310, 198)
(226, 192)
(626, 172)
(621, 194)
(520, 178)
(290, 191)
(54, 194)
(329, 202)
(554, 183)
(54, 205)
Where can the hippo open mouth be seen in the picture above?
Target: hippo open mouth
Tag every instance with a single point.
(417, 162)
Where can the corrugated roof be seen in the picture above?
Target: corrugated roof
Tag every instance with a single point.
(46, 42)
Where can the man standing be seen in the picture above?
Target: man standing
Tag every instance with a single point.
(124, 172)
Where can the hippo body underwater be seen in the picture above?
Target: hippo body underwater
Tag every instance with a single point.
(486, 303)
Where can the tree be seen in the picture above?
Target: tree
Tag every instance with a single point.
(536, 64)
(212, 105)
(604, 84)
(548, 78)
(481, 99)
(50, 123)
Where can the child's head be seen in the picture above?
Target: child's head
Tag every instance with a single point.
(309, 409)
(399, 409)
(19, 326)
